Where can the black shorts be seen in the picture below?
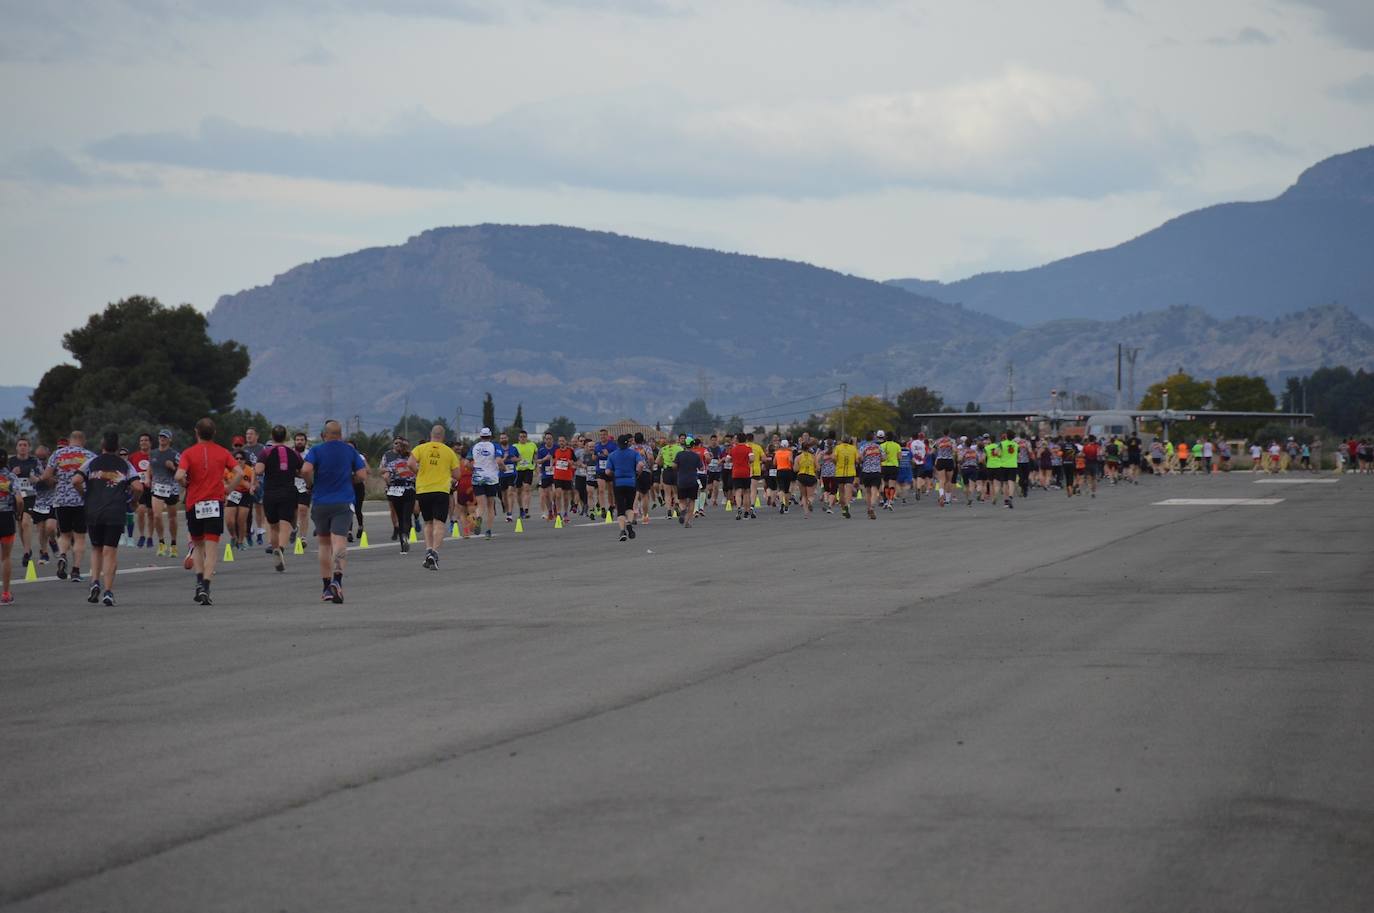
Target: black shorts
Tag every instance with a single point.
(871, 479)
(944, 465)
(29, 502)
(830, 484)
(210, 528)
(1069, 473)
(170, 502)
(970, 474)
(546, 481)
(105, 535)
(524, 477)
(843, 480)
(71, 519)
(7, 526)
(740, 483)
(670, 477)
(925, 471)
(588, 480)
(713, 477)
(486, 490)
(785, 477)
(624, 499)
(506, 482)
(303, 498)
(279, 506)
(688, 492)
(433, 506)
(245, 500)
(770, 483)
(806, 480)
(889, 473)
(643, 482)
(563, 484)
(146, 499)
(658, 475)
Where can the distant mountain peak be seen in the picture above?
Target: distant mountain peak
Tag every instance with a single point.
(1348, 176)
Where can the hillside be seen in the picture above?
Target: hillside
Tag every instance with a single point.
(593, 325)
(13, 401)
(1309, 246)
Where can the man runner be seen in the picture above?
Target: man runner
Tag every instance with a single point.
(207, 472)
(69, 504)
(11, 518)
(436, 468)
(26, 469)
(163, 465)
(106, 482)
(279, 467)
(333, 467)
(399, 478)
(486, 478)
(624, 464)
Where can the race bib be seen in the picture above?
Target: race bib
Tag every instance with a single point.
(207, 510)
(25, 486)
(560, 465)
(300, 485)
(42, 510)
(234, 498)
(601, 464)
(163, 489)
(772, 472)
(395, 491)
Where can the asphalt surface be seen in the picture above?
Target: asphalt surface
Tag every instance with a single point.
(1082, 705)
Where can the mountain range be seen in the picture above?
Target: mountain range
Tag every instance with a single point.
(1313, 244)
(599, 326)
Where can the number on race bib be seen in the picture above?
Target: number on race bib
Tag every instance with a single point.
(395, 491)
(234, 498)
(207, 510)
(773, 472)
(163, 489)
(560, 465)
(42, 510)
(25, 487)
(300, 485)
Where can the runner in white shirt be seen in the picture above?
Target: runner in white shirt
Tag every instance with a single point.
(1255, 453)
(486, 477)
(918, 463)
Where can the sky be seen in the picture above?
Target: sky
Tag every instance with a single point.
(187, 149)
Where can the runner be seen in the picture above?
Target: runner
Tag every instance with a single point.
(239, 504)
(755, 472)
(333, 468)
(970, 468)
(68, 503)
(1091, 451)
(943, 452)
(564, 466)
(829, 486)
(399, 478)
(142, 461)
(486, 478)
(888, 468)
(918, 447)
(625, 464)
(871, 471)
(713, 470)
(106, 482)
(279, 468)
(784, 461)
(644, 479)
(523, 452)
(27, 469)
(846, 458)
(741, 481)
(605, 494)
(806, 479)
(359, 495)
(686, 464)
(506, 458)
(163, 466)
(201, 470)
(12, 504)
(548, 500)
(436, 468)
(906, 473)
(45, 521)
(300, 444)
(254, 449)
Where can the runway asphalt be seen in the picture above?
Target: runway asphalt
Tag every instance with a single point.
(1105, 704)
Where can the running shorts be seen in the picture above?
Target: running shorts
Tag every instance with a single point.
(332, 519)
(944, 465)
(670, 477)
(210, 528)
(71, 519)
(806, 480)
(643, 482)
(624, 499)
(830, 484)
(770, 483)
(844, 480)
(546, 481)
(7, 526)
(170, 502)
(433, 506)
(563, 484)
(713, 477)
(506, 482)
(279, 506)
(105, 535)
(688, 492)
(872, 479)
(785, 477)
(486, 489)
(970, 475)
(740, 483)
(146, 499)
(524, 478)
(889, 473)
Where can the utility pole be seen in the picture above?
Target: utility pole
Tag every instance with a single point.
(844, 403)
(357, 424)
(405, 411)
(328, 400)
(1118, 376)
(1011, 387)
(1131, 355)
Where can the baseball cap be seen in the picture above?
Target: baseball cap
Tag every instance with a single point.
(238, 440)
(165, 433)
(783, 442)
(485, 432)
(880, 435)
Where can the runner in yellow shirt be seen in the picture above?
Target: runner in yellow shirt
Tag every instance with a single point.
(436, 468)
(846, 463)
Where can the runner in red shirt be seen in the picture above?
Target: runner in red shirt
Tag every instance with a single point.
(564, 466)
(1091, 451)
(741, 455)
(142, 461)
(202, 472)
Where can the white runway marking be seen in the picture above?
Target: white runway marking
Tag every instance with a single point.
(1219, 502)
(1296, 481)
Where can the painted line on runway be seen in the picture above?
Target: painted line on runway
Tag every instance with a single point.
(1296, 481)
(1219, 502)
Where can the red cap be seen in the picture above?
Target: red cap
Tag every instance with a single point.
(238, 440)
(62, 442)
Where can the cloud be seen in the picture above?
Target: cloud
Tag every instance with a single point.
(317, 55)
(1351, 21)
(1022, 133)
(1359, 91)
(48, 166)
(1242, 38)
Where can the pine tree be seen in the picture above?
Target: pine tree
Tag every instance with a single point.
(488, 412)
(519, 423)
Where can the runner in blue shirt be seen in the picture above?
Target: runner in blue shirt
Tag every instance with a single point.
(623, 466)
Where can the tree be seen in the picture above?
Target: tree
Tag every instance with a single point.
(11, 429)
(519, 423)
(562, 426)
(971, 406)
(696, 419)
(1342, 400)
(814, 426)
(863, 414)
(1185, 392)
(125, 420)
(152, 358)
(1238, 393)
(913, 400)
(373, 446)
(488, 412)
(236, 422)
(733, 425)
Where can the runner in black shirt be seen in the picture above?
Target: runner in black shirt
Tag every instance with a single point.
(278, 466)
(106, 481)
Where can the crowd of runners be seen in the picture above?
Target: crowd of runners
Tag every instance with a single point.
(268, 494)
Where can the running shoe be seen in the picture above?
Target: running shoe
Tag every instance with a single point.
(141, 540)
(6, 598)
(269, 550)
(508, 517)
(1009, 507)
(739, 515)
(52, 546)
(845, 512)
(624, 536)
(108, 599)
(199, 596)
(94, 595)
(62, 566)
(681, 518)
(488, 535)
(28, 556)
(871, 514)
(76, 574)
(631, 530)
(259, 538)
(326, 596)
(350, 538)
(405, 547)
(43, 558)
(278, 559)
(162, 549)
(428, 563)
(336, 593)
(395, 533)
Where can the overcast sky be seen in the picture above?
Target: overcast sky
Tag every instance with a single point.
(191, 148)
